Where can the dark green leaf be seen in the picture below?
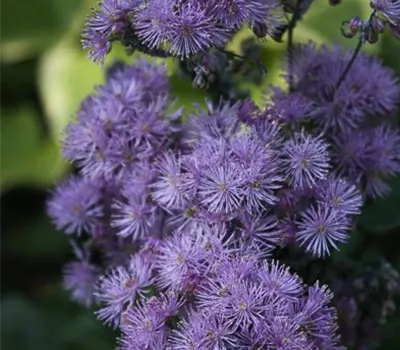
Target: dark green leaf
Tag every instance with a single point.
(384, 214)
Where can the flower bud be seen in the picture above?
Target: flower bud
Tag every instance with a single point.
(350, 28)
(378, 24)
(371, 35)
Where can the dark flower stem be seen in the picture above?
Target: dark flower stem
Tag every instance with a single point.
(350, 64)
(361, 41)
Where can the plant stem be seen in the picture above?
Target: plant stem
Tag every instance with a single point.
(361, 41)
(350, 64)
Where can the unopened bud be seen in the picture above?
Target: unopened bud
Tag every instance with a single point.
(371, 35)
(395, 29)
(351, 27)
(378, 24)
(260, 29)
(199, 82)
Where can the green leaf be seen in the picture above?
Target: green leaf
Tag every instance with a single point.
(384, 214)
(23, 327)
(28, 27)
(27, 158)
(40, 240)
(66, 77)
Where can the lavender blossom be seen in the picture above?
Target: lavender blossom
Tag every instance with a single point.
(76, 206)
(80, 279)
(340, 195)
(320, 229)
(305, 160)
(390, 10)
(119, 288)
(316, 73)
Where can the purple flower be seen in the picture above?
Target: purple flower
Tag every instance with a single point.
(318, 319)
(216, 121)
(124, 89)
(349, 153)
(220, 188)
(148, 127)
(153, 22)
(246, 305)
(369, 157)
(75, 205)
(80, 279)
(190, 334)
(290, 108)
(119, 288)
(88, 141)
(261, 181)
(283, 333)
(145, 325)
(340, 195)
(305, 160)
(369, 88)
(97, 45)
(207, 330)
(180, 258)
(232, 13)
(193, 31)
(133, 216)
(108, 21)
(146, 79)
(277, 281)
(261, 231)
(390, 9)
(320, 229)
(268, 130)
(384, 150)
(167, 189)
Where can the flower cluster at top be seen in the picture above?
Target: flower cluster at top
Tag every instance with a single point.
(175, 27)
(183, 217)
(356, 117)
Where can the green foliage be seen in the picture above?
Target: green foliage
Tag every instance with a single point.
(50, 323)
(27, 158)
(383, 215)
(29, 27)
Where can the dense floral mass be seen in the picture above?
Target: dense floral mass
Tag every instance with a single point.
(176, 27)
(177, 219)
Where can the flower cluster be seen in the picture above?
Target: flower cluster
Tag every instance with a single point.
(183, 217)
(234, 301)
(175, 27)
(174, 206)
(356, 117)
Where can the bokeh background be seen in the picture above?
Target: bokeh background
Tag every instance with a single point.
(44, 76)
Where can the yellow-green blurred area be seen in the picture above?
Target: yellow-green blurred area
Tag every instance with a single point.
(44, 77)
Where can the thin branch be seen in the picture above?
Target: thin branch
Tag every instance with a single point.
(350, 64)
(361, 41)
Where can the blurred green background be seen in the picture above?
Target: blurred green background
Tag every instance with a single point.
(44, 76)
